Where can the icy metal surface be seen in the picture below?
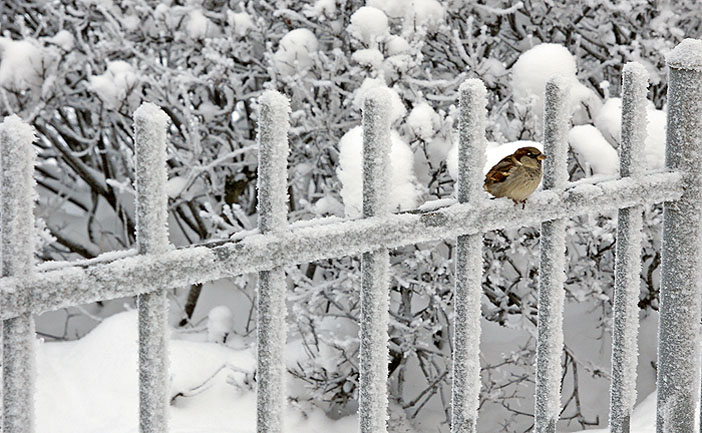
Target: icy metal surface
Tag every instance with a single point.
(17, 157)
(465, 390)
(628, 254)
(150, 125)
(680, 295)
(273, 149)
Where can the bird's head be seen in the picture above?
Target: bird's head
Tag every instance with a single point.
(529, 156)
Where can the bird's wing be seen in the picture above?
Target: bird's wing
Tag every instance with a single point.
(500, 171)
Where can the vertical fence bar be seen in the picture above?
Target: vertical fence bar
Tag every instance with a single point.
(549, 344)
(17, 157)
(628, 254)
(465, 390)
(150, 127)
(273, 125)
(372, 395)
(679, 326)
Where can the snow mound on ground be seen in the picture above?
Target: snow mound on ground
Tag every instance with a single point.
(90, 385)
(643, 419)
(404, 192)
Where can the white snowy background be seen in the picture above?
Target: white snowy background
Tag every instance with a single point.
(77, 70)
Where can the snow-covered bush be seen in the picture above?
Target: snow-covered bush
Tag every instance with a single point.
(76, 70)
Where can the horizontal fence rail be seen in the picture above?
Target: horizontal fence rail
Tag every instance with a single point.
(156, 267)
(129, 276)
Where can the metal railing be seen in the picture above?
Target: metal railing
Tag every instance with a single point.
(156, 266)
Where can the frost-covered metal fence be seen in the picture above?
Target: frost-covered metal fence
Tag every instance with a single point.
(157, 266)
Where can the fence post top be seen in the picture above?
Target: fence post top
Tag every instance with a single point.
(687, 55)
(378, 95)
(473, 85)
(149, 110)
(14, 125)
(274, 98)
(637, 69)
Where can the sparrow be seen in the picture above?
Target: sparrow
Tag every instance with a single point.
(516, 176)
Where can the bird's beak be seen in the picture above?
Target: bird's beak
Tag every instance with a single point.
(541, 157)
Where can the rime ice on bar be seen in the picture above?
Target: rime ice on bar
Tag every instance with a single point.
(273, 149)
(17, 157)
(372, 394)
(680, 294)
(150, 129)
(465, 389)
(628, 253)
(549, 346)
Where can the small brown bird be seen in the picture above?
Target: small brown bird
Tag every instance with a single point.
(516, 176)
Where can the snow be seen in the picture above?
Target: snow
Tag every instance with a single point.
(643, 418)
(425, 13)
(609, 122)
(686, 55)
(368, 57)
(63, 39)
(295, 51)
(423, 121)
(594, 152)
(113, 85)
(220, 323)
(369, 25)
(321, 9)
(428, 14)
(396, 45)
(392, 8)
(17, 156)
(197, 24)
(536, 66)
(94, 379)
(273, 150)
(21, 64)
(397, 108)
(241, 22)
(403, 191)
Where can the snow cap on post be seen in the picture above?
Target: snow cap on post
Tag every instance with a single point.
(273, 149)
(17, 157)
(634, 119)
(687, 55)
(471, 144)
(150, 127)
(376, 150)
(556, 120)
